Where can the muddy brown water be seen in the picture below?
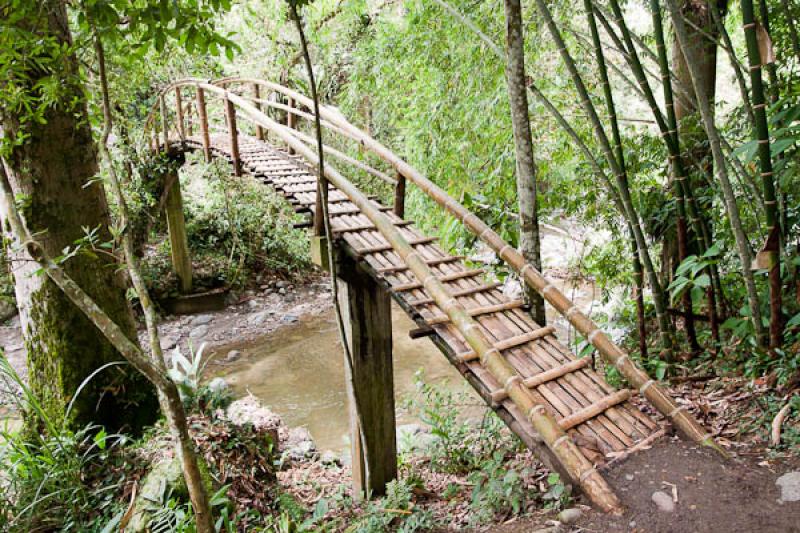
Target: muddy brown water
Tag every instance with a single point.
(298, 372)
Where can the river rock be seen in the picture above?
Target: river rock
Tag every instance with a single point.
(300, 445)
(256, 319)
(330, 458)
(249, 410)
(414, 437)
(201, 320)
(168, 343)
(569, 516)
(232, 356)
(663, 501)
(199, 332)
(282, 284)
(289, 319)
(282, 291)
(789, 484)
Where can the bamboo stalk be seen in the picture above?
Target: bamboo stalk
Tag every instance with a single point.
(761, 134)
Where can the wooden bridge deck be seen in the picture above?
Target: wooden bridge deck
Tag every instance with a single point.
(602, 421)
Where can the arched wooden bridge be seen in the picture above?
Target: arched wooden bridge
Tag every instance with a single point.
(557, 404)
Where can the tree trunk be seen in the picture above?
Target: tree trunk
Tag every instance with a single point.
(50, 169)
(523, 145)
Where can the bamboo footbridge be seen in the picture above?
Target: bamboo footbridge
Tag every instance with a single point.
(562, 409)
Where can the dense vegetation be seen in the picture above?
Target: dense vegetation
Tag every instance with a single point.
(664, 135)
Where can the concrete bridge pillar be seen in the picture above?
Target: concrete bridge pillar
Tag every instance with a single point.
(367, 314)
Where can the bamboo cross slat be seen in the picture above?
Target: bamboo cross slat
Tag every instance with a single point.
(448, 277)
(457, 293)
(513, 341)
(595, 409)
(477, 311)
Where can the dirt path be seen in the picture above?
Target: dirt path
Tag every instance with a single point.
(713, 495)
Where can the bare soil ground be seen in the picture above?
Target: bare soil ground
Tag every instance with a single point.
(713, 494)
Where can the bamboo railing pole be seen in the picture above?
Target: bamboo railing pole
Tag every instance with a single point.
(179, 114)
(612, 353)
(400, 196)
(202, 114)
(230, 115)
(347, 159)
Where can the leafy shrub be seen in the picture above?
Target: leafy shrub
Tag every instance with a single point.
(460, 446)
(57, 480)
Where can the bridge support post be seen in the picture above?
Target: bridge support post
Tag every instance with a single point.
(367, 315)
(230, 114)
(291, 120)
(178, 240)
(400, 196)
(257, 97)
(202, 115)
(179, 114)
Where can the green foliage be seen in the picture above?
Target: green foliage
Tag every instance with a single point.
(460, 446)
(57, 479)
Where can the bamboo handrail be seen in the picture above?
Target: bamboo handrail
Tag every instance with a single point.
(609, 350)
(575, 464)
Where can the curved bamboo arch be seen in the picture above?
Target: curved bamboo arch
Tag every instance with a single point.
(579, 469)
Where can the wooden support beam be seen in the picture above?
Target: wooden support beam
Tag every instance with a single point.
(400, 196)
(290, 120)
(178, 240)
(257, 97)
(230, 115)
(162, 104)
(179, 114)
(591, 411)
(366, 310)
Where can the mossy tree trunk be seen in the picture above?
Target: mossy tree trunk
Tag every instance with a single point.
(51, 170)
